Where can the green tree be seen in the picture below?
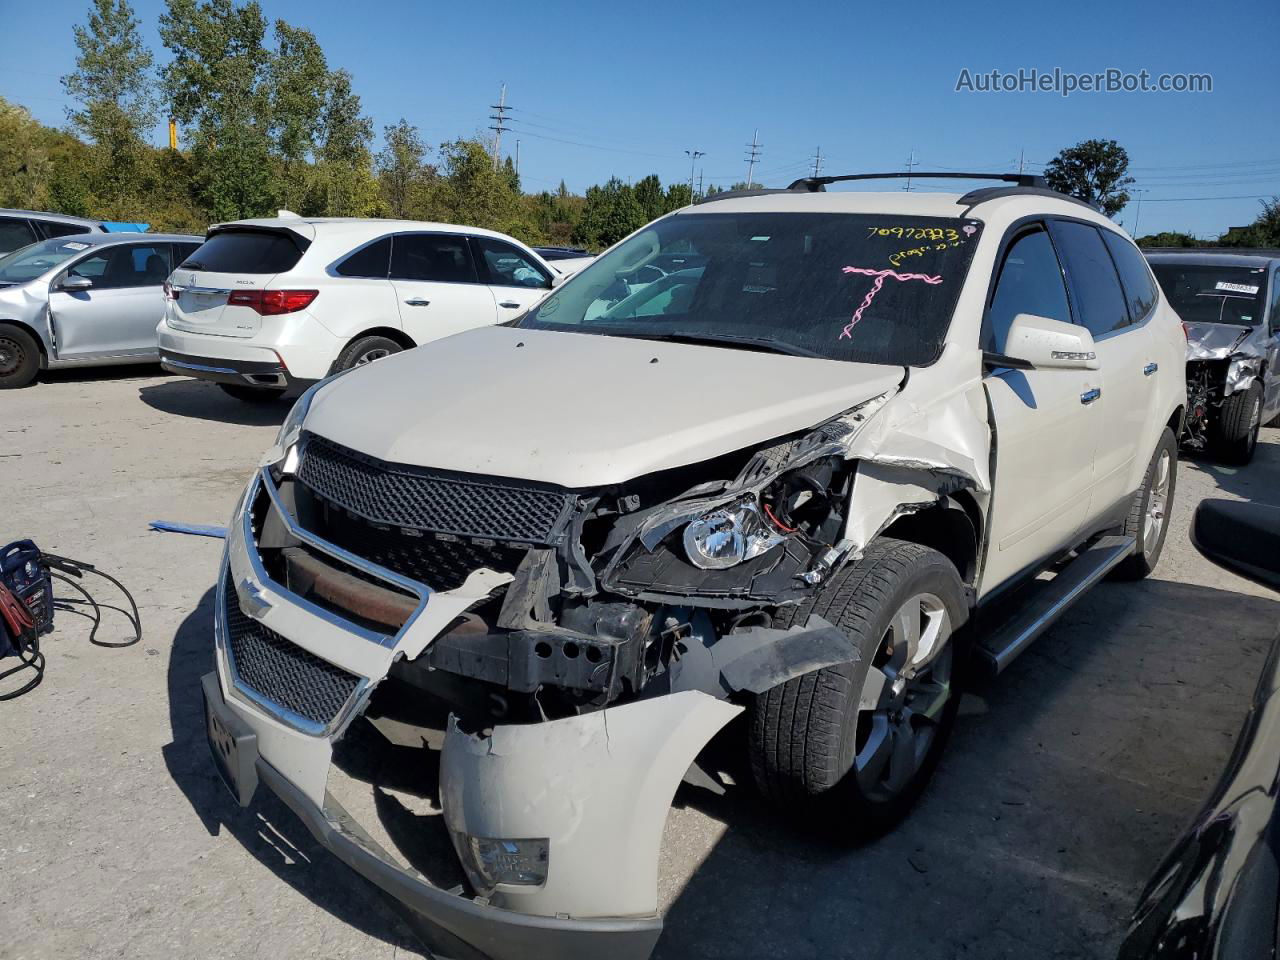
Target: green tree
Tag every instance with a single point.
(218, 82)
(610, 213)
(298, 82)
(401, 166)
(114, 94)
(469, 191)
(1095, 171)
(678, 195)
(1263, 232)
(650, 197)
(343, 162)
(1169, 238)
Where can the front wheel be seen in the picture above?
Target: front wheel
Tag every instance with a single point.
(365, 350)
(1237, 425)
(848, 749)
(19, 357)
(1148, 520)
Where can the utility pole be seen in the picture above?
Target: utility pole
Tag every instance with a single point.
(699, 183)
(1137, 216)
(499, 126)
(753, 156)
(517, 159)
(1022, 155)
(693, 156)
(911, 162)
(817, 163)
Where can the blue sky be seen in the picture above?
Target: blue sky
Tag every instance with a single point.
(604, 89)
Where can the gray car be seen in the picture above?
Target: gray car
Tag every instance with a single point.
(21, 227)
(1229, 301)
(85, 300)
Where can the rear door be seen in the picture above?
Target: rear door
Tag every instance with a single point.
(236, 258)
(117, 315)
(516, 278)
(1045, 425)
(437, 286)
(15, 232)
(1098, 302)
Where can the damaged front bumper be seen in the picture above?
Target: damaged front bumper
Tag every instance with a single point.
(594, 788)
(457, 927)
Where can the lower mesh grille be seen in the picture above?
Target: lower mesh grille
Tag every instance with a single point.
(281, 671)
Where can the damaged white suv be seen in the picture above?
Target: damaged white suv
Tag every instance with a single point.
(788, 477)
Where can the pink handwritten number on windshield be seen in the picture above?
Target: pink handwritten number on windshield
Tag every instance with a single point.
(875, 288)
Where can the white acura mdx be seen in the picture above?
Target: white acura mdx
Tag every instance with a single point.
(840, 444)
(265, 305)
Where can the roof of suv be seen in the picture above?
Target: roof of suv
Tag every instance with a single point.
(106, 239)
(1218, 256)
(53, 217)
(351, 229)
(1007, 204)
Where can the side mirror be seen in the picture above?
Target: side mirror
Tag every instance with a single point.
(74, 284)
(1243, 537)
(1050, 344)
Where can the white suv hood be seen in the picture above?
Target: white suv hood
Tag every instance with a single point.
(580, 410)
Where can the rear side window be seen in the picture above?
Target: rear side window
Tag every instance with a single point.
(53, 228)
(14, 234)
(1030, 281)
(1096, 297)
(1135, 277)
(439, 257)
(247, 251)
(183, 250)
(372, 261)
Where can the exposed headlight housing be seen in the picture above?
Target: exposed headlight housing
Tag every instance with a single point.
(490, 862)
(730, 535)
(284, 451)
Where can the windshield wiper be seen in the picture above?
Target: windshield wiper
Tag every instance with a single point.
(767, 344)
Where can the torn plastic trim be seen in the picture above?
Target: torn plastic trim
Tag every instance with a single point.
(1242, 373)
(598, 786)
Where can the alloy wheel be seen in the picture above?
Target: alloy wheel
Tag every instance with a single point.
(1157, 502)
(377, 353)
(903, 698)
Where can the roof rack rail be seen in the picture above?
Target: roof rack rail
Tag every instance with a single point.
(816, 184)
(731, 194)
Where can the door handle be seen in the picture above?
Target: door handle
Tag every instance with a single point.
(1090, 395)
(418, 302)
(510, 304)
(1149, 369)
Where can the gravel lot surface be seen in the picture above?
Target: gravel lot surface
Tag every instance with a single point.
(1065, 782)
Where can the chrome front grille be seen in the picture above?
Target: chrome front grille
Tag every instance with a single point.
(281, 672)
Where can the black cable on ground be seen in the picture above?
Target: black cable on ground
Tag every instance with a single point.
(60, 566)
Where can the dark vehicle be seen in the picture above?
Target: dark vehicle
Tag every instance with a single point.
(1229, 301)
(551, 254)
(1215, 894)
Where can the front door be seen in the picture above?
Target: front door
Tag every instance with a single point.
(116, 316)
(1045, 422)
(437, 287)
(516, 279)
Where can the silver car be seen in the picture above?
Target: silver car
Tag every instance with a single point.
(1229, 301)
(88, 300)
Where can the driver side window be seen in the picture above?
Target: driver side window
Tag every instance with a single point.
(1030, 281)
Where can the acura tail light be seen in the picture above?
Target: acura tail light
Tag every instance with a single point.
(270, 303)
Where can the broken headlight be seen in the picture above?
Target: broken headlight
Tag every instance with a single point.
(729, 535)
(489, 863)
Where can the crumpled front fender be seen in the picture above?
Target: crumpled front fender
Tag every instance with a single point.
(598, 786)
(1241, 374)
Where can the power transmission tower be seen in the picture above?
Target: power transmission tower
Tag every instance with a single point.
(693, 161)
(817, 163)
(911, 162)
(499, 126)
(753, 156)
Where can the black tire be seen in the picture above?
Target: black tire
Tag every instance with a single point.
(19, 357)
(1235, 430)
(248, 394)
(365, 350)
(1150, 536)
(812, 748)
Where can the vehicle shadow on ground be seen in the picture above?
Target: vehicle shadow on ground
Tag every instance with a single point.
(200, 400)
(1058, 794)
(1252, 481)
(267, 829)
